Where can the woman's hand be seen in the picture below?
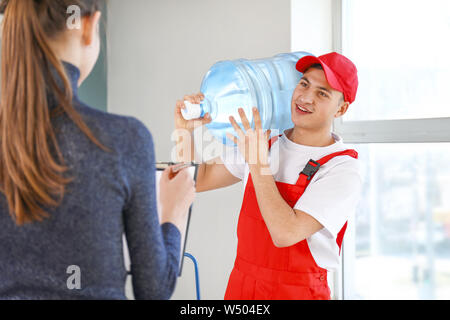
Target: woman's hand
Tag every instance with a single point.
(177, 192)
(252, 143)
(190, 125)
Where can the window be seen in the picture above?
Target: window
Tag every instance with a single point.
(402, 51)
(399, 245)
(402, 225)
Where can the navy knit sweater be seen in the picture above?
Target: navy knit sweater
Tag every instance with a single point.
(112, 194)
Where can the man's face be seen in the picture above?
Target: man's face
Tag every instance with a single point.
(321, 104)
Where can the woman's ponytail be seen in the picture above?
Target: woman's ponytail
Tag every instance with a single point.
(30, 176)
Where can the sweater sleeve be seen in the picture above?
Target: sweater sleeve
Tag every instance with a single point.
(154, 249)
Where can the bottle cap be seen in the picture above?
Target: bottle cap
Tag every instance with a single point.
(192, 111)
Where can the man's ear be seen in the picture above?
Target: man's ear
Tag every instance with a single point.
(343, 107)
(90, 27)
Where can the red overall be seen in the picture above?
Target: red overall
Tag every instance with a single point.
(265, 272)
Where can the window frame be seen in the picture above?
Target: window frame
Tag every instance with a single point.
(425, 130)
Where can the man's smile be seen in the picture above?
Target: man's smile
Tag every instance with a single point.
(302, 109)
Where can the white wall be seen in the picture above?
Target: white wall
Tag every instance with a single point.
(159, 51)
(312, 26)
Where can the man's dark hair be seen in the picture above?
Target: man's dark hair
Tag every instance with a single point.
(315, 66)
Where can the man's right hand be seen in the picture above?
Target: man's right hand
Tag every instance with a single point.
(210, 176)
(190, 125)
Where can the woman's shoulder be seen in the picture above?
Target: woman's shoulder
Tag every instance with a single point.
(119, 126)
(127, 136)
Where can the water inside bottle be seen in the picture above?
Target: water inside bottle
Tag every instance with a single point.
(265, 83)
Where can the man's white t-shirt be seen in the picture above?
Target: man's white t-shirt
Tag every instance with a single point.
(331, 197)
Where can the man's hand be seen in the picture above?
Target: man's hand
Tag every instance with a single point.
(184, 129)
(252, 143)
(190, 125)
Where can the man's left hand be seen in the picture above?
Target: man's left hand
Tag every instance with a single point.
(252, 143)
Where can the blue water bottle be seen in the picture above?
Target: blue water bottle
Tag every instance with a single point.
(265, 83)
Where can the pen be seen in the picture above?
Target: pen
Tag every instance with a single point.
(181, 167)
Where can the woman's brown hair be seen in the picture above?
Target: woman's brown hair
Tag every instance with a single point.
(31, 176)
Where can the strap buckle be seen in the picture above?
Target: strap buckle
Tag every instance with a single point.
(311, 169)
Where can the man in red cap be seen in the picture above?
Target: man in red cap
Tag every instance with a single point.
(292, 221)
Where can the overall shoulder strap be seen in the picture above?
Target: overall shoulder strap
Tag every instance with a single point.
(350, 152)
(273, 140)
(313, 166)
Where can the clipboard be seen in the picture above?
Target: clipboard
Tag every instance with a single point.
(193, 169)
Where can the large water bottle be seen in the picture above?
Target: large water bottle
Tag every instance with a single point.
(264, 83)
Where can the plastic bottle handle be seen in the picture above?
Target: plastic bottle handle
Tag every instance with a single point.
(192, 111)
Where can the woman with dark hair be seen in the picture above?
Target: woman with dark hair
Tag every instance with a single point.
(73, 179)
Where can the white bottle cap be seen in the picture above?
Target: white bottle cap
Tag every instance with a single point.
(192, 111)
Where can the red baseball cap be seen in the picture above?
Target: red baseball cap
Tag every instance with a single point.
(340, 72)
